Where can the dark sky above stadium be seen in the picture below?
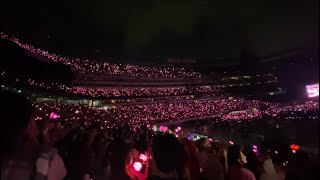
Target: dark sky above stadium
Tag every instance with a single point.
(188, 28)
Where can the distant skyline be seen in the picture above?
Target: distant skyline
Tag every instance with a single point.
(168, 28)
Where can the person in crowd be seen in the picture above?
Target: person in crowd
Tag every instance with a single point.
(300, 166)
(136, 174)
(83, 154)
(221, 151)
(192, 159)
(57, 133)
(167, 153)
(253, 163)
(100, 147)
(270, 171)
(236, 162)
(22, 157)
(45, 128)
(118, 159)
(66, 148)
(209, 164)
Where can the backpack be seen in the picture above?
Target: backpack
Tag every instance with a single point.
(36, 169)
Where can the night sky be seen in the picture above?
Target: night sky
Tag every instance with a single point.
(167, 28)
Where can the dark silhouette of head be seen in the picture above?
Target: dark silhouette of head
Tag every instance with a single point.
(118, 155)
(168, 153)
(17, 124)
(235, 156)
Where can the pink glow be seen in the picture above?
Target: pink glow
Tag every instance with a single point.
(313, 90)
(85, 66)
(144, 114)
(136, 116)
(255, 150)
(163, 128)
(143, 157)
(54, 116)
(137, 166)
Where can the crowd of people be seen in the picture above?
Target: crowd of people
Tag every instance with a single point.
(59, 140)
(103, 68)
(294, 107)
(135, 115)
(244, 114)
(277, 110)
(53, 150)
(107, 92)
(127, 92)
(147, 100)
(124, 79)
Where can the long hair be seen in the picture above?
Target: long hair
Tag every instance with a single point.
(234, 153)
(16, 112)
(193, 163)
